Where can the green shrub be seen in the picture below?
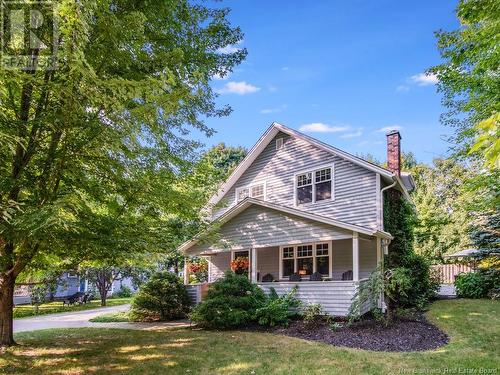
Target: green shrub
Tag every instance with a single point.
(313, 314)
(480, 284)
(230, 302)
(335, 326)
(424, 284)
(163, 297)
(277, 310)
(123, 292)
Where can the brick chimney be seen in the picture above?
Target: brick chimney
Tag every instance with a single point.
(394, 152)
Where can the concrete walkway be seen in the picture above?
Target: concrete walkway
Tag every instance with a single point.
(79, 319)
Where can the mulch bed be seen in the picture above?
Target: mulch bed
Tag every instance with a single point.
(404, 335)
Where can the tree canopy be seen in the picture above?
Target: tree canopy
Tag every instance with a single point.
(91, 151)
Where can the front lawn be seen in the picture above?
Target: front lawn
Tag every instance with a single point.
(121, 316)
(23, 311)
(473, 325)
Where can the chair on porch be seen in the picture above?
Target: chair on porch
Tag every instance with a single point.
(295, 277)
(267, 278)
(347, 275)
(316, 276)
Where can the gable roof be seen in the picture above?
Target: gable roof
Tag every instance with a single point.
(268, 136)
(248, 202)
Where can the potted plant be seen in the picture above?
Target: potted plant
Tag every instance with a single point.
(240, 265)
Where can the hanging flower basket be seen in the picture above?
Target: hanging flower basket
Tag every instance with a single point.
(240, 265)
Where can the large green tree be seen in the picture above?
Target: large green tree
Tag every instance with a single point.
(102, 138)
(443, 219)
(469, 81)
(468, 77)
(206, 175)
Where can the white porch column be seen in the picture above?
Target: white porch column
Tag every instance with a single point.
(186, 272)
(355, 256)
(253, 265)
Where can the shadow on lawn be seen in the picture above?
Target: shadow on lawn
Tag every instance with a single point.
(90, 351)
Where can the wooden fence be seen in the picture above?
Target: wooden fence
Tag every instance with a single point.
(447, 272)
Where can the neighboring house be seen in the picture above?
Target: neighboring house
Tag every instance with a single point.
(295, 207)
(68, 284)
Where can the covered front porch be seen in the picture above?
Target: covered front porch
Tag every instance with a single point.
(327, 272)
(326, 259)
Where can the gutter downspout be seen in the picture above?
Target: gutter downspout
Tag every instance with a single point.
(382, 200)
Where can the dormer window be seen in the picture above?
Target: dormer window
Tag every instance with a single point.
(257, 191)
(314, 186)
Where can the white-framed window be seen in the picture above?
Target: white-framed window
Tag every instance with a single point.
(306, 259)
(314, 186)
(72, 275)
(257, 190)
(240, 254)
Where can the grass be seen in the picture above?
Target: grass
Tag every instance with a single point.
(474, 328)
(111, 318)
(23, 311)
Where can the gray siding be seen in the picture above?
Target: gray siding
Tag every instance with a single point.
(342, 258)
(219, 264)
(354, 186)
(334, 296)
(268, 262)
(264, 227)
(367, 258)
(193, 293)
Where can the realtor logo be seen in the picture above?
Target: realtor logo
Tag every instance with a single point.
(28, 35)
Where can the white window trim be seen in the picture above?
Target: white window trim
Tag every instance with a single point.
(249, 187)
(295, 257)
(72, 275)
(239, 251)
(313, 176)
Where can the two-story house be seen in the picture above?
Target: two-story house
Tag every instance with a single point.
(304, 213)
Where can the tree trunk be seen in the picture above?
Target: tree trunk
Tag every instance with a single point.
(6, 310)
(103, 291)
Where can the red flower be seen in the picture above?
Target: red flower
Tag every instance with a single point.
(240, 264)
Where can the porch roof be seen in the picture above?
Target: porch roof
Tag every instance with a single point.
(251, 202)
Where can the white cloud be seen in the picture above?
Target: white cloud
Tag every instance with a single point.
(285, 68)
(240, 88)
(363, 143)
(355, 134)
(386, 129)
(423, 79)
(267, 111)
(402, 88)
(230, 48)
(272, 88)
(318, 127)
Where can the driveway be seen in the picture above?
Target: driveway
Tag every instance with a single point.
(79, 319)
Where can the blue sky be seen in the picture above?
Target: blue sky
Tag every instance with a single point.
(349, 68)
